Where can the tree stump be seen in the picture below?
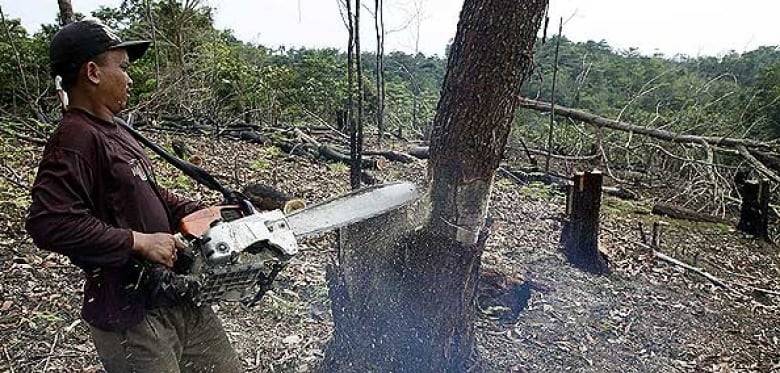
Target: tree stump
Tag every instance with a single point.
(754, 217)
(580, 234)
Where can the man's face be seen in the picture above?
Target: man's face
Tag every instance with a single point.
(112, 83)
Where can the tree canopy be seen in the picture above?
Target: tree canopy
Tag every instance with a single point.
(199, 71)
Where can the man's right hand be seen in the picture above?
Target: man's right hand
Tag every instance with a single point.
(155, 247)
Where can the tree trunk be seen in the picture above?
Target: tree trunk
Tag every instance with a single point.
(410, 306)
(379, 24)
(580, 236)
(351, 94)
(754, 215)
(66, 12)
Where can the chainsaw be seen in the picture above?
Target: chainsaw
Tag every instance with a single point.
(234, 252)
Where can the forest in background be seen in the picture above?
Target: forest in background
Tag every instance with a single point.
(683, 294)
(199, 74)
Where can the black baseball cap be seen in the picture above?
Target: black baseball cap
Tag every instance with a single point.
(79, 41)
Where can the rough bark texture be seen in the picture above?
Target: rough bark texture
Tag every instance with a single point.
(489, 60)
(66, 12)
(406, 302)
(754, 216)
(580, 234)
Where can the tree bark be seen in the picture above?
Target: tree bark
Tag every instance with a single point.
(66, 12)
(410, 306)
(379, 24)
(754, 215)
(580, 234)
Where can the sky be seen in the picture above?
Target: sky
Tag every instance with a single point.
(690, 27)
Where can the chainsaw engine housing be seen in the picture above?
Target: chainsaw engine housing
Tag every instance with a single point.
(237, 256)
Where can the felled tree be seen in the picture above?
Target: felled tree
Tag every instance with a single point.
(405, 302)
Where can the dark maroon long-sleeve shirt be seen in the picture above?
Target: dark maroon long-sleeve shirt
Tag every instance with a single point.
(94, 187)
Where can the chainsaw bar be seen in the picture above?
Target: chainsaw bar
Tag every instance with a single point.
(351, 208)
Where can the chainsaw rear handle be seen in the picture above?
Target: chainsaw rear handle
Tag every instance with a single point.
(196, 224)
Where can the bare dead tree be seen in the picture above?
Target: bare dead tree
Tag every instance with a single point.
(25, 95)
(552, 98)
(379, 25)
(150, 19)
(355, 110)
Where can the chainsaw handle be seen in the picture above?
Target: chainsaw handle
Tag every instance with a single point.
(198, 223)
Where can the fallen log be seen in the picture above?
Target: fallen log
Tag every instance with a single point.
(298, 149)
(391, 155)
(265, 198)
(757, 164)
(677, 212)
(421, 152)
(332, 154)
(660, 134)
(523, 178)
(369, 178)
(562, 157)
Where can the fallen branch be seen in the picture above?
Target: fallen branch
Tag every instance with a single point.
(660, 134)
(16, 180)
(391, 155)
(561, 157)
(653, 251)
(24, 137)
(51, 351)
(509, 175)
(523, 178)
(700, 271)
(330, 153)
(686, 214)
(757, 164)
(711, 277)
(421, 152)
(8, 358)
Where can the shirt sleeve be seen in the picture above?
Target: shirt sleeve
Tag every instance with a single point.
(61, 215)
(179, 206)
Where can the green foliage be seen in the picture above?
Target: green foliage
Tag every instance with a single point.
(198, 71)
(703, 96)
(260, 164)
(768, 97)
(273, 151)
(538, 190)
(180, 182)
(338, 167)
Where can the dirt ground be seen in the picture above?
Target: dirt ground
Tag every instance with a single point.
(647, 316)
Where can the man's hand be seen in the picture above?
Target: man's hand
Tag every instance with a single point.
(156, 247)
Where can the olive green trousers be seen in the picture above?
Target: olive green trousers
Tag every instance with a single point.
(177, 339)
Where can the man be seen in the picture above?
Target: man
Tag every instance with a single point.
(95, 200)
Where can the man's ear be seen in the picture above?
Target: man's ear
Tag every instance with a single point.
(92, 71)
